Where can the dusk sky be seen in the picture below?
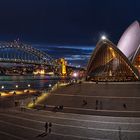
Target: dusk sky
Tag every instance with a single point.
(66, 22)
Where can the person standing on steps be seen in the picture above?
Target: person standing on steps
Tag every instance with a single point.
(46, 127)
(101, 105)
(124, 105)
(84, 102)
(96, 107)
(50, 127)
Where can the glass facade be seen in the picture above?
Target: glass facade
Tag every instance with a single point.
(136, 63)
(108, 63)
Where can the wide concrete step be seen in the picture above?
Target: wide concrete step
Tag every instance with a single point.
(33, 125)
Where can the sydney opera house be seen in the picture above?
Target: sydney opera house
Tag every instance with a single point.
(109, 62)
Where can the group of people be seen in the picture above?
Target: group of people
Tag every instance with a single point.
(58, 108)
(48, 127)
(84, 102)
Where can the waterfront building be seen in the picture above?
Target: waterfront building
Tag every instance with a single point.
(109, 62)
(63, 69)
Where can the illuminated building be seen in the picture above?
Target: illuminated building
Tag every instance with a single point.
(108, 63)
(63, 67)
(129, 44)
(136, 59)
(130, 40)
(39, 72)
(117, 63)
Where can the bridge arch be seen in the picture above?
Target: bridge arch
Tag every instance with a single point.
(18, 52)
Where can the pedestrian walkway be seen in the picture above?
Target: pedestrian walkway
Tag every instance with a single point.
(16, 124)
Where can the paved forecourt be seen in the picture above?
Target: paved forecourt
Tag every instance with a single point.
(29, 124)
(115, 99)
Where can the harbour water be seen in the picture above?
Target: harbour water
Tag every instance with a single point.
(23, 82)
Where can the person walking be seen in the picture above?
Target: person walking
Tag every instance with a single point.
(50, 127)
(124, 105)
(84, 102)
(46, 127)
(96, 106)
(101, 105)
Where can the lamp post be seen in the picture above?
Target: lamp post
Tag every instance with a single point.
(15, 95)
(28, 89)
(29, 85)
(50, 87)
(2, 87)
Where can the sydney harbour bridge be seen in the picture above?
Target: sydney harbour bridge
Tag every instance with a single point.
(23, 56)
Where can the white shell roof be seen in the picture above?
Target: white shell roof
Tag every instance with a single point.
(130, 40)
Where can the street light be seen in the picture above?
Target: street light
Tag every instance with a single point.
(75, 74)
(16, 86)
(29, 85)
(49, 87)
(2, 87)
(28, 90)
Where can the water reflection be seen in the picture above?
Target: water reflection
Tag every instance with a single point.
(35, 82)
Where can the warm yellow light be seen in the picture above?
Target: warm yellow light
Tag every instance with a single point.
(42, 72)
(35, 72)
(112, 51)
(63, 64)
(39, 99)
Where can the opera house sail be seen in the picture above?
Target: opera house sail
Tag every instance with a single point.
(108, 63)
(130, 40)
(136, 59)
(117, 63)
(129, 44)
